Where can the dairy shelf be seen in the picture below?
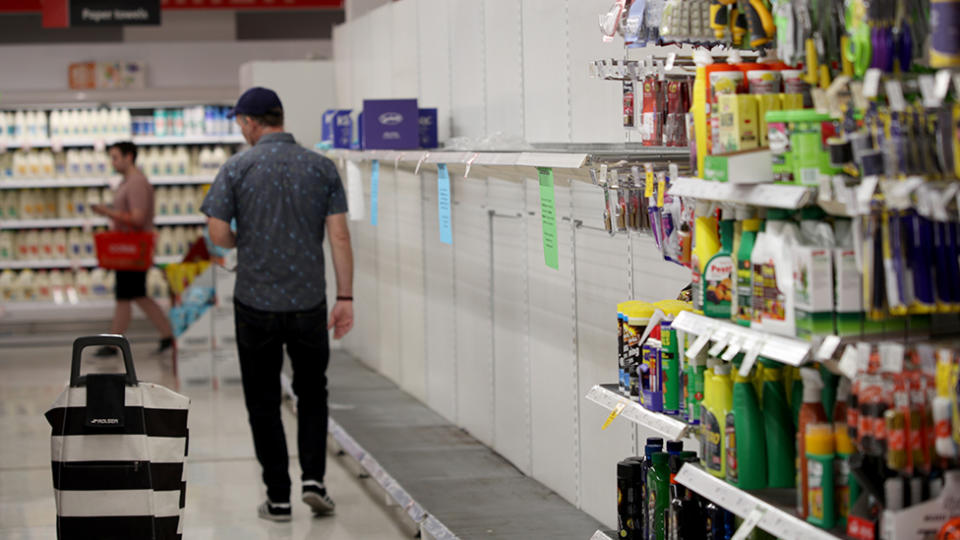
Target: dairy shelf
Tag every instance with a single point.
(790, 351)
(198, 219)
(42, 183)
(769, 195)
(775, 505)
(48, 264)
(139, 141)
(50, 311)
(608, 397)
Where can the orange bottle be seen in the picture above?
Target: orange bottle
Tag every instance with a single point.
(811, 412)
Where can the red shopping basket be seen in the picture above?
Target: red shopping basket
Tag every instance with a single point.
(124, 250)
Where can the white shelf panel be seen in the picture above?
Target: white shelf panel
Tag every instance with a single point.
(557, 160)
(783, 349)
(769, 195)
(604, 535)
(670, 428)
(776, 520)
(198, 219)
(42, 183)
(140, 141)
(73, 263)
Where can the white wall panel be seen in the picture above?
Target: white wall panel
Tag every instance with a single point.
(554, 395)
(440, 307)
(362, 60)
(434, 29)
(545, 71)
(467, 69)
(410, 256)
(380, 77)
(471, 245)
(343, 64)
(404, 49)
(511, 362)
(596, 113)
(388, 274)
(503, 50)
(601, 284)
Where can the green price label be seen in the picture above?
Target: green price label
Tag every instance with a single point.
(548, 213)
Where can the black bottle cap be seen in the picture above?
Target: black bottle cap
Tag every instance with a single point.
(654, 441)
(628, 470)
(841, 151)
(674, 447)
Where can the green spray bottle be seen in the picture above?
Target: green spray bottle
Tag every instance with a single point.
(779, 429)
(717, 402)
(744, 441)
(658, 496)
(820, 489)
(744, 291)
(693, 388)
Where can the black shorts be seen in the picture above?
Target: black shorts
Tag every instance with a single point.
(131, 284)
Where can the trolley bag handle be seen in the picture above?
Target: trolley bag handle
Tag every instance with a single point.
(101, 340)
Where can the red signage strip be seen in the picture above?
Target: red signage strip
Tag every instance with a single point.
(38, 6)
(250, 4)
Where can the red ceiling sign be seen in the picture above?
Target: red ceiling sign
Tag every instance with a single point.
(37, 6)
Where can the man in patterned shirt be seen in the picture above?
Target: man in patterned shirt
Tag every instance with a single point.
(282, 197)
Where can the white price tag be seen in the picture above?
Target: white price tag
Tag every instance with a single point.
(895, 96)
(733, 349)
(698, 345)
(753, 351)
(820, 101)
(859, 100)
(397, 159)
(655, 320)
(828, 348)
(871, 82)
(720, 343)
(848, 362)
(603, 175)
(891, 357)
(928, 89)
(865, 191)
(86, 225)
(671, 58)
(466, 171)
(749, 524)
(674, 171)
(863, 357)
(420, 163)
(100, 145)
(942, 84)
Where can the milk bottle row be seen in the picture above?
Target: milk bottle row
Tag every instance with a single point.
(77, 244)
(189, 122)
(75, 203)
(87, 163)
(179, 161)
(23, 127)
(65, 285)
(111, 124)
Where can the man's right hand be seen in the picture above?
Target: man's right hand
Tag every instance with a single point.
(341, 318)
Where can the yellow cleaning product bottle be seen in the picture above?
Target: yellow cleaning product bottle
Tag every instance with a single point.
(706, 243)
(717, 403)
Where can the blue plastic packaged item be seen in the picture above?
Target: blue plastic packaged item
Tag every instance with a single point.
(343, 129)
(429, 137)
(327, 126)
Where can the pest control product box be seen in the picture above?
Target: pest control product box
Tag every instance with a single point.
(342, 129)
(390, 124)
(428, 128)
(738, 122)
(326, 132)
(753, 167)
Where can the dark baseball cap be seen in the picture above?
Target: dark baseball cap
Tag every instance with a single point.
(256, 101)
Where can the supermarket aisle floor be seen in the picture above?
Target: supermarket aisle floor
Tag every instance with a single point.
(223, 486)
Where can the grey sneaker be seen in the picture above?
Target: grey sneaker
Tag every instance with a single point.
(274, 512)
(315, 496)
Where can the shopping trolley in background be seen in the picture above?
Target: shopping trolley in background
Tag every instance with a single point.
(118, 250)
(118, 448)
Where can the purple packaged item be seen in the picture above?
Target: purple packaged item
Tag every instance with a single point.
(390, 124)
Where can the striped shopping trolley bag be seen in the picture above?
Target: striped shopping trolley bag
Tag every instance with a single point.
(117, 449)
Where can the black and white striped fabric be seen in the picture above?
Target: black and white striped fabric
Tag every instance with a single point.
(121, 474)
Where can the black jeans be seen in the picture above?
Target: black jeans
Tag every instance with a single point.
(261, 336)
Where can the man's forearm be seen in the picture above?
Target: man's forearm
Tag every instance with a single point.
(124, 218)
(343, 267)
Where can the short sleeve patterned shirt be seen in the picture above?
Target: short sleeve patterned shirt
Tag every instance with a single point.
(280, 194)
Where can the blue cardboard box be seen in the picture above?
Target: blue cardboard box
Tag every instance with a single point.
(428, 128)
(390, 124)
(326, 133)
(342, 129)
